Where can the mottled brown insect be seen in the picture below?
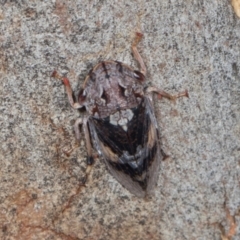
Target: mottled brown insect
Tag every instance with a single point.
(121, 124)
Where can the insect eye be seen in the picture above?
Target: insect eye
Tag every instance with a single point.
(81, 96)
(138, 75)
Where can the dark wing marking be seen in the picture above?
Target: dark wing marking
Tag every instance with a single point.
(132, 156)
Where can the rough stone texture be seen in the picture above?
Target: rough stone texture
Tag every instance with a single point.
(190, 45)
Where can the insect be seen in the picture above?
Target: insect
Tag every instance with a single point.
(120, 123)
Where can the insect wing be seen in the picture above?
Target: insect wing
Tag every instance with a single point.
(131, 152)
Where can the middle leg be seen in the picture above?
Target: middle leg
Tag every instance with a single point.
(84, 123)
(90, 159)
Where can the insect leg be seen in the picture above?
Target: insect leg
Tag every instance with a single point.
(137, 55)
(88, 142)
(84, 123)
(78, 123)
(164, 94)
(69, 91)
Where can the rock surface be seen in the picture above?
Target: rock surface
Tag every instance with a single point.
(190, 45)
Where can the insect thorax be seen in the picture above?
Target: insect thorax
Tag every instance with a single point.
(110, 89)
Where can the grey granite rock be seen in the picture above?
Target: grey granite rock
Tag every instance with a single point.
(190, 45)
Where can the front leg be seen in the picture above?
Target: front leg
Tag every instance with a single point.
(137, 55)
(164, 94)
(69, 91)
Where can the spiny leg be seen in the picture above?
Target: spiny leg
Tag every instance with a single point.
(137, 55)
(164, 94)
(69, 91)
